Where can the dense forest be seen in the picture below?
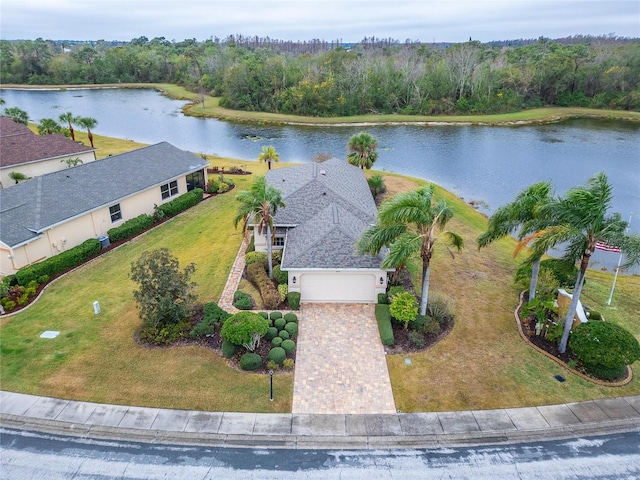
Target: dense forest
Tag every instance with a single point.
(373, 76)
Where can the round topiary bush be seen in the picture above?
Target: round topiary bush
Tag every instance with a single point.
(276, 341)
(264, 315)
(291, 317)
(604, 347)
(250, 361)
(244, 328)
(277, 354)
(289, 346)
(228, 349)
(279, 323)
(272, 332)
(275, 315)
(292, 328)
(284, 334)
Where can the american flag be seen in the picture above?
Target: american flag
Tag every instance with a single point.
(607, 248)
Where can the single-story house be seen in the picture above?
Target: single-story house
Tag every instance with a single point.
(56, 211)
(22, 151)
(327, 208)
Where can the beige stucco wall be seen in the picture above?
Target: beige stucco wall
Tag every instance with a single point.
(35, 169)
(73, 232)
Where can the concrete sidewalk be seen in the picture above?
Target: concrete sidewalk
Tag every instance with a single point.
(314, 431)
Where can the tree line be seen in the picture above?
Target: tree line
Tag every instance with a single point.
(374, 76)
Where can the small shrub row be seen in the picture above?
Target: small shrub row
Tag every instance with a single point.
(59, 263)
(383, 316)
(258, 276)
(253, 257)
(280, 276)
(130, 228)
(180, 204)
(294, 300)
(242, 301)
(213, 316)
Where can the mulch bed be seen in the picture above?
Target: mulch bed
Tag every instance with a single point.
(403, 345)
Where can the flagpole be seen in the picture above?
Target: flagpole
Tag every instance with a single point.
(615, 277)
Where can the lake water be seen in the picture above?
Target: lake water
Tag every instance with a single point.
(486, 164)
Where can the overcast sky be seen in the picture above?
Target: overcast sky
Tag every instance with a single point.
(348, 20)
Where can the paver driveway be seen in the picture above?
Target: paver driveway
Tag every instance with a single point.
(340, 363)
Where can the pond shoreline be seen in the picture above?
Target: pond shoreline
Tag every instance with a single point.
(541, 116)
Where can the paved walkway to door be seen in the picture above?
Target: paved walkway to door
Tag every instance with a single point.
(340, 363)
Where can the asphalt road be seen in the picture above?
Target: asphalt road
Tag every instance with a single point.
(27, 455)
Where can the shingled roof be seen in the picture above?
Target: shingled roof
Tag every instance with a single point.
(19, 145)
(33, 206)
(330, 206)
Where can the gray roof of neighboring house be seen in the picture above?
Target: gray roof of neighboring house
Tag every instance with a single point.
(34, 205)
(19, 145)
(330, 205)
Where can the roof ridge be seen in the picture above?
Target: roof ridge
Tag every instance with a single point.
(38, 206)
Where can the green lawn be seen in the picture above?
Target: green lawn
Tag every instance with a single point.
(482, 364)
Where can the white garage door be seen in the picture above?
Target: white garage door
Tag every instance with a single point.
(338, 287)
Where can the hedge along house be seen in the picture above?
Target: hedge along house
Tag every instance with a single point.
(327, 208)
(51, 213)
(22, 151)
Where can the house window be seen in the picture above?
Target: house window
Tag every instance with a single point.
(278, 242)
(169, 189)
(195, 180)
(115, 212)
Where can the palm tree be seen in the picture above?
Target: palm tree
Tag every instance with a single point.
(362, 150)
(88, 123)
(521, 214)
(18, 176)
(410, 223)
(260, 204)
(17, 115)
(70, 120)
(48, 126)
(268, 155)
(580, 220)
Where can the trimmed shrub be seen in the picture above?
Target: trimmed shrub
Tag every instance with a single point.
(276, 341)
(418, 323)
(282, 291)
(59, 263)
(288, 345)
(252, 246)
(242, 301)
(279, 323)
(383, 316)
(383, 298)
(404, 307)
(395, 290)
(277, 354)
(276, 255)
(292, 328)
(130, 228)
(257, 274)
(275, 315)
(254, 257)
(271, 365)
(431, 327)
(280, 276)
(270, 322)
(42, 279)
(294, 300)
(202, 329)
(272, 333)
(288, 363)
(250, 361)
(228, 349)
(604, 347)
(264, 315)
(214, 314)
(291, 317)
(283, 334)
(223, 188)
(244, 328)
(181, 203)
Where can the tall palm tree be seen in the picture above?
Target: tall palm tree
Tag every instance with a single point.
(17, 115)
(410, 223)
(70, 120)
(268, 155)
(88, 123)
(259, 205)
(523, 215)
(580, 220)
(362, 150)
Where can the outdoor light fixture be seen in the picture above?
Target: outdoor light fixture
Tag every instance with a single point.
(381, 281)
(294, 280)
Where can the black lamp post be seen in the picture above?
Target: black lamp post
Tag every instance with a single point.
(271, 385)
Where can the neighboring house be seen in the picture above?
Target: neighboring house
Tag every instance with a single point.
(56, 211)
(327, 208)
(25, 152)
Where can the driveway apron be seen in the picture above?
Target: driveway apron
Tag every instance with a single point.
(340, 362)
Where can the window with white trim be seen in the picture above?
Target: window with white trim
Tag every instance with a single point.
(169, 189)
(115, 212)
